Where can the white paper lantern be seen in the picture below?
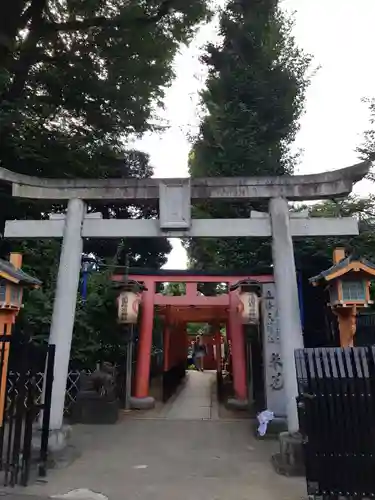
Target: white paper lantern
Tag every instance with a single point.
(249, 308)
(128, 307)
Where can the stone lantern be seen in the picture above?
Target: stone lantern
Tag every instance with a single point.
(12, 282)
(348, 283)
(249, 300)
(128, 301)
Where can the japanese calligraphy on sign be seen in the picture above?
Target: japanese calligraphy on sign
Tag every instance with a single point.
(128, 305)
(274, 381)
(272, 327)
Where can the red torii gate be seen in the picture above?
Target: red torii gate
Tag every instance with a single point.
(190, 307)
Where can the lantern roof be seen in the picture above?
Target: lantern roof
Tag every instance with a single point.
(345, 266)
(247, 285)
(130, 285)
(10, 273)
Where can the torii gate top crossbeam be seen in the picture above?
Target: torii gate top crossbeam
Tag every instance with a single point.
(294, 187)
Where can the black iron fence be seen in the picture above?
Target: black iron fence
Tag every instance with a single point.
(20, 410)
(365, 333)
(337, 420)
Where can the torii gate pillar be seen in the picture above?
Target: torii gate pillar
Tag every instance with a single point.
(287, 301)
(141, 399)
(240, 401)
(63, 314)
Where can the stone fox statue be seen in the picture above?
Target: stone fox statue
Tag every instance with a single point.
(101, 381)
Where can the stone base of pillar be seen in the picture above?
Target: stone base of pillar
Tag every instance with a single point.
(146, 403)
(91, 409)
(274, 428)
(58, 439)
(290, 460)
(237, 404)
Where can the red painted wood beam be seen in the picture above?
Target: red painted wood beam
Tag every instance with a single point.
(186, 300)
(263, 278)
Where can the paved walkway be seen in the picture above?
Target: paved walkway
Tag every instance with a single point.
(197, 399)
(186, 454)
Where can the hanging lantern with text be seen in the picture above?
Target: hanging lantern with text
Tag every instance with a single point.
(249, 308)
(249, 300)
(128, 307)
(128, 301)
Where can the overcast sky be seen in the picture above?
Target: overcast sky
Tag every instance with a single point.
(338, 33)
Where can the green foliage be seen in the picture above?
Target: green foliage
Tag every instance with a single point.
(254, 98)
(195, 329)
(41, 260)
(174, 289)
(78, 80)
(315, 254)
(367, 148)
(96, 336)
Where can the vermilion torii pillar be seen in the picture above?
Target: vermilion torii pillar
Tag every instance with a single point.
(175, 198)
(238, 353)
(141, 397)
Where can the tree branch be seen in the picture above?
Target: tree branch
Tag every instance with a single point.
(27, 56)
(26, 16)
(104, 22)
(10, 23)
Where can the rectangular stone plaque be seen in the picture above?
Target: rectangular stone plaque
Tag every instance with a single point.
(174, 204)
(273, 363)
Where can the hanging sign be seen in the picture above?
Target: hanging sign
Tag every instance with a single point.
(249, 308)
(128, 307)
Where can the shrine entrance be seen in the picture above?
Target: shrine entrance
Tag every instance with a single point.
(175, 198)
(231, 347)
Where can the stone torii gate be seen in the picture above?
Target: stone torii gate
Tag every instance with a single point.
(175, 197)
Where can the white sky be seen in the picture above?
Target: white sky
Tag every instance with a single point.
(338, 33)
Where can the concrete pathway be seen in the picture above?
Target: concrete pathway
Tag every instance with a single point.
(186, 454)
(196, 400)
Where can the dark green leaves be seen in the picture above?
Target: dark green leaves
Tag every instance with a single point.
(254, 98)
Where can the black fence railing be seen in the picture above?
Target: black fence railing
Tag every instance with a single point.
(20, 409)
(337, 420)
(365, 332)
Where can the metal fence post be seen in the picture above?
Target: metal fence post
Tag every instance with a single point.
(46, 411)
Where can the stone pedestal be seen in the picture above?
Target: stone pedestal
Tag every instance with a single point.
(91, 408)
(237, 404)
(290, 460)
(274, 428)
(61, 449)
(58, 439)
(146, 403)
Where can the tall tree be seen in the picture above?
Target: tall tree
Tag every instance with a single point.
(78, 79)
(254, 98)
(367, 148)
